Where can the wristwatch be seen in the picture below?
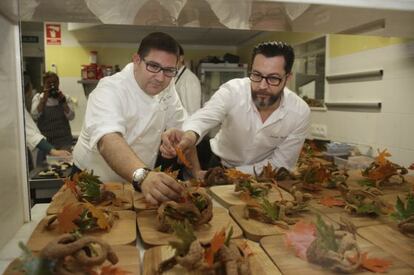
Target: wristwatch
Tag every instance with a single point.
(138, 177)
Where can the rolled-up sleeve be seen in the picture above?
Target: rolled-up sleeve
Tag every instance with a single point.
(211, 115)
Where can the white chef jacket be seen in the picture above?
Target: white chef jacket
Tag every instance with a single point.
(243, 140)
(33, 135)
(118, 104)
(189, 89)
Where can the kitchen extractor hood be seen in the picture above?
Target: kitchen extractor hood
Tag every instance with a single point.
(377, 17)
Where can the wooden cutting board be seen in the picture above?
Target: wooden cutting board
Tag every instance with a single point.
(259, 261)
(128, 256)
(358, 221)
(255, 230)
(288, 263)
(141, 204)
(390, 240)
(122, 232)
(227, 197)
(147, 225)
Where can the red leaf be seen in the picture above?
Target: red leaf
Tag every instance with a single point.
(331, 201)
(372, 264)
(216, 243)
(113, 270)
(71, 185)
(300, 237)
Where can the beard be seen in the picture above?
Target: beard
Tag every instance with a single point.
(268, 101)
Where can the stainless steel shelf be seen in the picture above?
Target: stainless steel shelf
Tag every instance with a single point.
(359, 105)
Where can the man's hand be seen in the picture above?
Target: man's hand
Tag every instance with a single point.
(61, 97)
(59, 153)
(188, 140)
(170, 138)
(158, 187)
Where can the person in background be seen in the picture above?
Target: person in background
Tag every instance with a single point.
(52, 112)
(261, 120)
(34, 139)
(125, 117)
(188, 86)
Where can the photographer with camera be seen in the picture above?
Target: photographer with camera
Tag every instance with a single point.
(52, 112)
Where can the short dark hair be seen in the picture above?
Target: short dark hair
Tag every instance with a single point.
(181, 50)
(276, 48)
(158, 41)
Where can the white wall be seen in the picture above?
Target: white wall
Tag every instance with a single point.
(392, 127)
(13, 182)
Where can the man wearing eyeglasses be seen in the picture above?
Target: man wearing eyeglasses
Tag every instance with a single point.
(125, 116)
(261, 120)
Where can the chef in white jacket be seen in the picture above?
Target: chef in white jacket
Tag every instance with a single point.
(260, 119)
(188, 86)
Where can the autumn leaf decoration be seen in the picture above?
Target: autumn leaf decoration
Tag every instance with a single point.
(331, 201)
(110, 270)
(216, 243)
(97, 213)
(411, 166)
(235, 174)
(372, 264)
(181, 156)
(68, 216)
(300, 238)
(404, 211)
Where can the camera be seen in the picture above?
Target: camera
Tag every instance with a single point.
(53, 91)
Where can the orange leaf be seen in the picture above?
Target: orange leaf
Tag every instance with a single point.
(381, 159)
(236, 174)
(71, 185)
(216, 243)
(102, 221)
(331, 201)
(113, 270)
(66, 218)
(372, 264)
(383, 171)
(181, 156)
(300, 237)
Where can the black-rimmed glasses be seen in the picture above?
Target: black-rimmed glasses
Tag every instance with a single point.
(271, 80)
(154, 67)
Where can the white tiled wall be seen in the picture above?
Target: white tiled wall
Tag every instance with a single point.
(13, 184)
(392, 127)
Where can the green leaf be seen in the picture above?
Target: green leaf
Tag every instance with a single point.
(185, 233)
(326, 235)
(32, 265)
(228, 237)
(271, 211)
(366, 182)
(368, 209)
(403, 212)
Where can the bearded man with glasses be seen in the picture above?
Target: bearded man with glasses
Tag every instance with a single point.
(125, 116)
(261, 120)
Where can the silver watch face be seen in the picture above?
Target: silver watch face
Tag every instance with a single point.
(139, 174)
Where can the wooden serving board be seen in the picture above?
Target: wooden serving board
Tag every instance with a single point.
(141, 204)
(259, 261)
(122, 232)
(147, 225)
(358, 220)
(390, 240)
(288, 263)
(255, 230)
(128, 256)
(226, 195)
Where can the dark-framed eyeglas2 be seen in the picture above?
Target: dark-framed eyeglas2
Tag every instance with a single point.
(271, 80)
(154, 67)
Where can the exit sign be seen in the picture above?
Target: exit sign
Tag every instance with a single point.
(30, 39)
